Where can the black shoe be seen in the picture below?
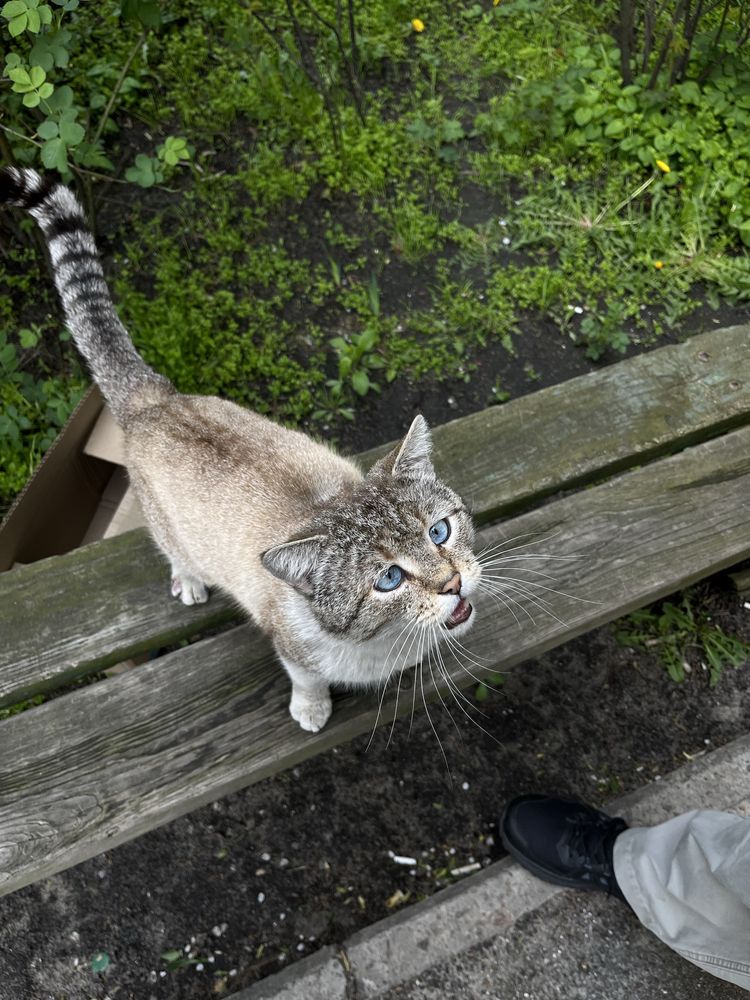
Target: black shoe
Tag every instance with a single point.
(567, 843)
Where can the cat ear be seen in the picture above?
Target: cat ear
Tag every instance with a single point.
(412, 457)
(294, 562)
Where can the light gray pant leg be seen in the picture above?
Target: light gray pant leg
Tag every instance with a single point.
(688, 881)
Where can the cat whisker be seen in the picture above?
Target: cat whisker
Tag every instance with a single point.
(534, 599)
(489, 586)
(501, 602)
(439, 692)
(503, 542)
(411, 626)
(520, 569)
(418, 660)
(466, 670)
(432, 725)
(407, 657)
(413, 702)
(451, 685)
(533, 583)
(506, 585)
(498, 546)
(454, 688)
(496, 590)
(503, 560)
(455, 643)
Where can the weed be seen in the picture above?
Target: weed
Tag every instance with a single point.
(150, 170)
(356, 361)
(605, 331)
(681, 630)
(482, 691)
(174, 959)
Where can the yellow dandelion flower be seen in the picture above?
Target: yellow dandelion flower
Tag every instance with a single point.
(495, 3)
(658, 264)
(417, 24)
(664, 167)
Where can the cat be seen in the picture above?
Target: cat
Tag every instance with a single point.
(350, 575)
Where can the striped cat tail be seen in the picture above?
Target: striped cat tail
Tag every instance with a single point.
(125, 379)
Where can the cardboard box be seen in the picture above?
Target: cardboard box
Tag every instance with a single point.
(78, 494)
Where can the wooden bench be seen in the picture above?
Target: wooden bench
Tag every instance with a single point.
(640, 471)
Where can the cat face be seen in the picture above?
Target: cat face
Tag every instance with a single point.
(395, 551)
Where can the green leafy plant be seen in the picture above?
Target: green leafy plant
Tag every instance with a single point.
(75, 113)
(677, 631)
(605, 331)
(25, 15)
(22, 706)
(150, 170)
(493, 681)
(32, 410)
(356, 361)
(174, 959)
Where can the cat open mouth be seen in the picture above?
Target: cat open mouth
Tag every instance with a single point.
(460, 614)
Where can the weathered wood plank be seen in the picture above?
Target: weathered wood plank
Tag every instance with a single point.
(72, 614)
(95, 768)
(65, 617)
(504, 458)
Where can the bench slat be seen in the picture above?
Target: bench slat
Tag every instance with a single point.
(70, 615)
(88, 771)
(504, 458)
(499, 459)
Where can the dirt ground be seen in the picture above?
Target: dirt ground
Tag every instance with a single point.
(239, 889)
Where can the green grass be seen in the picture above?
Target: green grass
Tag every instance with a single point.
(259, 260)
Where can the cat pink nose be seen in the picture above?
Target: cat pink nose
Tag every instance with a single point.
(453, 586)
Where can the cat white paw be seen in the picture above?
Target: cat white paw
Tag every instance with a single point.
(189, 590)
(311, 712)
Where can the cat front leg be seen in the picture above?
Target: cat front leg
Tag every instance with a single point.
(310, 704)
(188, 588)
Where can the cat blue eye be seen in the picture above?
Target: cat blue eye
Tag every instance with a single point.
(390, 579)
(440, 532)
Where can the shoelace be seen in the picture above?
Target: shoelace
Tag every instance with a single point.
(589, 844)
(585, 842)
